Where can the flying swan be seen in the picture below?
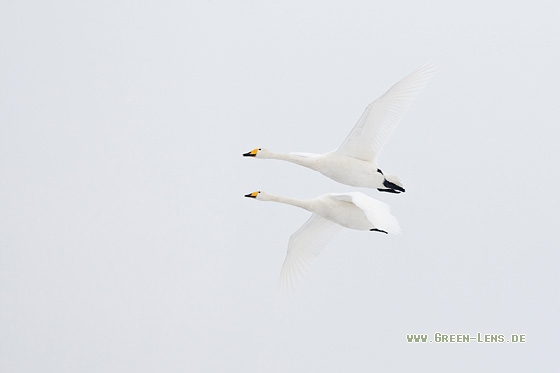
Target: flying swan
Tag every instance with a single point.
(330, 212)
(355, 161)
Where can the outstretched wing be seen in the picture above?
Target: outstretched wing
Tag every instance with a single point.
(380, 118)
(304, 247)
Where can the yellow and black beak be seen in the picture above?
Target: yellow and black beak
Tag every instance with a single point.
(252, 153)
(252, 195)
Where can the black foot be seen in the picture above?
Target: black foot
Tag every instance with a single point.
(391, 185)
(377, 230)
(379, 170)
(388, 190)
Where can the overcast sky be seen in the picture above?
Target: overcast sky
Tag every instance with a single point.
(126, 244)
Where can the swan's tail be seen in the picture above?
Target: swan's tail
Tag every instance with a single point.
(392, 184)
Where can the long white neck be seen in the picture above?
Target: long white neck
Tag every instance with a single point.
(302, 203)
(297, 159)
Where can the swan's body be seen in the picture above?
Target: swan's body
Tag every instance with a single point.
(355, 162)
(331, 212)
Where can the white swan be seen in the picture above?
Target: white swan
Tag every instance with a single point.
(331, 212)
(355, 161)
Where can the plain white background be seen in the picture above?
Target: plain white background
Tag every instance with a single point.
(126, 244)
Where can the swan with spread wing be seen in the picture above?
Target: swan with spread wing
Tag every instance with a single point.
(355, 162)
(330, 213)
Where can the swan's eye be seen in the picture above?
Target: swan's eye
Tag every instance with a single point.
(259, 149)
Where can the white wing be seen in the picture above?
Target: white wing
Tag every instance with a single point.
(304, 247)
(377, 212)
(380, 118)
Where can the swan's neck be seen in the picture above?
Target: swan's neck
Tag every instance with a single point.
(297, 159)
(301, 203)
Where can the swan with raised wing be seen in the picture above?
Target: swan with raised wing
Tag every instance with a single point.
(355, 162)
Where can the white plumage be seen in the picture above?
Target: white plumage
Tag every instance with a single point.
(355, 162)
(331, 212)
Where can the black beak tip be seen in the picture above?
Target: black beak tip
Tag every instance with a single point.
(248, 154)
(249, 195)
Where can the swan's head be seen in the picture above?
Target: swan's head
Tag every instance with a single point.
(257, 152)
(261, 196)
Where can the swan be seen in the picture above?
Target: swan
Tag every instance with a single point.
(330, 213)
(355, 161)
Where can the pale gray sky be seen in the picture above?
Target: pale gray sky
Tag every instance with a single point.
(126, 244)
